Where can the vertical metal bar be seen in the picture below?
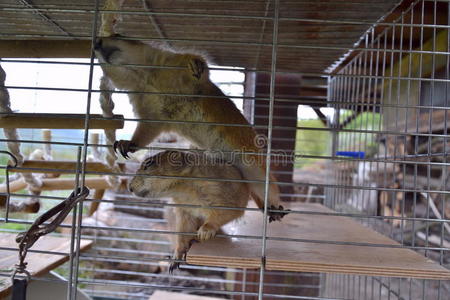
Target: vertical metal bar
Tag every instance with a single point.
(408, 95)
(445, 168)
(359, 101)
(244, 281)
(8, 194)
(365, 95)
(416, 140)
(70, 290)
(85, 150)
(276, 11)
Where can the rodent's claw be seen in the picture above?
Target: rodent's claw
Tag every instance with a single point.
(123, 147)
(197, 67)
(277, 216)
(206, 232)
(173, 266)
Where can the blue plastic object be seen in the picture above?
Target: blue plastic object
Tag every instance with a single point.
(353, 154)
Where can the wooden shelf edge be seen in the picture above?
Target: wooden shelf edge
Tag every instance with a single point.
(59, 121)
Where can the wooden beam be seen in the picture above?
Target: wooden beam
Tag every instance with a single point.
(52, 184)
(14, 186)
(45, 48)
(58, 121)
(68, 183)
(55, 166)
(321, 116)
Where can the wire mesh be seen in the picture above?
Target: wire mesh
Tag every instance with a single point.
(387, 95)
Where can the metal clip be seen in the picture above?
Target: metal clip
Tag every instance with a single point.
(61, 211)
(27, 239)
(8, 194)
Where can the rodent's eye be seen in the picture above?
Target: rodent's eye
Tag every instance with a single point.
(148, 163)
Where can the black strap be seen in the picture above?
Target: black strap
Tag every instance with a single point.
(19, 291)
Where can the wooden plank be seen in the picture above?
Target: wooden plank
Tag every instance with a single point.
(68, 183)
(438, 122)
(45, 48)
(14, 186)
(58, 121)
(55, 166)
(163, 295)
(324, 256)
(38, 263)
(50, 184)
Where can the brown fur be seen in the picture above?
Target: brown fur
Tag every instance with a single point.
(191, 77)
(204, 221)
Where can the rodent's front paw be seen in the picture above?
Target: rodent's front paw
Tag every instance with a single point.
(124, 147)
(206, 232)
(197, 67)
(277, 216)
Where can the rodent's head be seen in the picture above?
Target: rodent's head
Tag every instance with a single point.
(167, 163)
(118, 51)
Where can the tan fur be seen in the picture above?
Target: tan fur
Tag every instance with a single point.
(206, 193)
(189, 78)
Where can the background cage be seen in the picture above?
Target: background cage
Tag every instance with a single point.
(376, 76)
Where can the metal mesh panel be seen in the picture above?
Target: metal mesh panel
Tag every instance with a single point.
(373, 148)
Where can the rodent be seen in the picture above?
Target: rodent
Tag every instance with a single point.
(205, 193)
(184, 74)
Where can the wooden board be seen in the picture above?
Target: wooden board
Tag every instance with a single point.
(59, 166)
(163, 295)
(59, 121)
(51, 184)
(38, 263)
(321, 256)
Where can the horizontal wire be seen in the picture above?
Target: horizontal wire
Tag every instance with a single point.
(249, 237)
(223, 16)
(196, 278)
(298, 100)
(229, 42)
(199, 290)
(281, 183)
(145, 202)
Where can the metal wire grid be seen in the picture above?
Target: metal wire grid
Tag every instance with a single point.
(374, 83)
(351, 89)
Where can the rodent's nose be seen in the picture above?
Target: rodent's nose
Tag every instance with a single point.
(98, 44)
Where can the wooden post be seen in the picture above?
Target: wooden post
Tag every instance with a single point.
(47, 137)
(95, 138)
(98, 195)
(284, 114)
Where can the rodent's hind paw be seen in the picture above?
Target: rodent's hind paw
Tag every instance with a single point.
(197, 67)
(277, 216)
(123, 147)
(173, 266)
